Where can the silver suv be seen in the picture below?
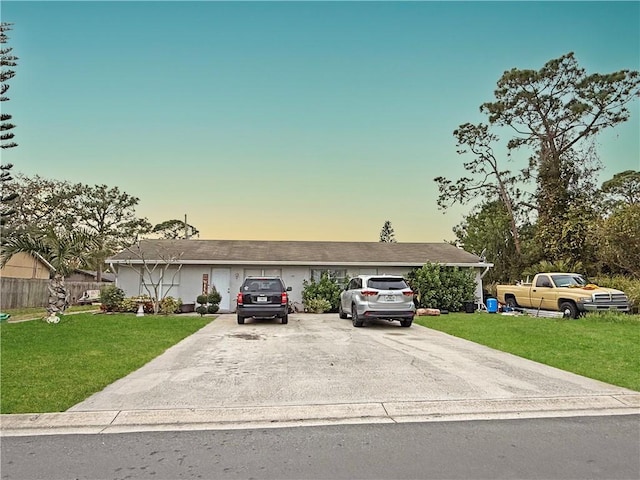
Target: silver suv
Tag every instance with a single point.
(377, 296)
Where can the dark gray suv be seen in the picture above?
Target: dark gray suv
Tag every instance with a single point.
(263, 297)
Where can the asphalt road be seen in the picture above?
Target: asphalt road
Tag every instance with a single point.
(552, 448)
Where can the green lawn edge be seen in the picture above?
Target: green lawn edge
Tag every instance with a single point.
(604, 348)
(51, 367)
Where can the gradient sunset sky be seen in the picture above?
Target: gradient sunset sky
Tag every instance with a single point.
(288, 120)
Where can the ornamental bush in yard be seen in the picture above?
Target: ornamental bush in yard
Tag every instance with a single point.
(170, 305)
(439, 286)
(326, 289)
(111, 297)
(209, 303)
(318, 305)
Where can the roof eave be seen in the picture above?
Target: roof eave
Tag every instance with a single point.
(297, 263)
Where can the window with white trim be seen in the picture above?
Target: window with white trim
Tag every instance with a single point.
(262, 272)
(159, 278)
(337, 274)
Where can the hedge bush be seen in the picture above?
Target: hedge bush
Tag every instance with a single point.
(327, 289)
(438, 286)
(110, 298)
(170, 305)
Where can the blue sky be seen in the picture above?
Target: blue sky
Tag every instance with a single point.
(288, 120)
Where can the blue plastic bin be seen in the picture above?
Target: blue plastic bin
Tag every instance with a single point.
(492, 305)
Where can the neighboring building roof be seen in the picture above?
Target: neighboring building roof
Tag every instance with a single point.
(259, 252)
(27, 265)
(91, 275)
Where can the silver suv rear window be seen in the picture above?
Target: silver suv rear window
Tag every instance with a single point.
(387, 283)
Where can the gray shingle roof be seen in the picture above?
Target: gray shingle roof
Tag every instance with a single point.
(300, 252)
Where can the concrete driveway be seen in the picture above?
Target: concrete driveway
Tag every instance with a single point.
(320, 369)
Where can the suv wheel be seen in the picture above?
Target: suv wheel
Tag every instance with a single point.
(341, 312)
(405, 323)
(240, 320)
(354, 317)
(285, 319)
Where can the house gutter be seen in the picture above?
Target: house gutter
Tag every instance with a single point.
(295, 263)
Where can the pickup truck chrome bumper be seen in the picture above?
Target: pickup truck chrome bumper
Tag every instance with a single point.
(602, 307)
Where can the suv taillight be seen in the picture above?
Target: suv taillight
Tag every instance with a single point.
(285, 298)
(240, 301)
(407, 293)
(368, 293)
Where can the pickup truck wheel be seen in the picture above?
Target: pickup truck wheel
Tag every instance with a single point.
(569, 310)
(511, 302)
(354, 317)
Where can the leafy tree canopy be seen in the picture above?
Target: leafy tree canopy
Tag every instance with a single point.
(104, 213)
(620, 240)
(622, 189)
(173, 229)
(556, 112)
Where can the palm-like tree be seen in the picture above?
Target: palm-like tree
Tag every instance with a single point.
(65, 250)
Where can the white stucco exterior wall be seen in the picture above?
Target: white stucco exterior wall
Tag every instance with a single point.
(189, 281)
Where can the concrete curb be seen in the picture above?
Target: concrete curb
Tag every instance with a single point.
(114, 421)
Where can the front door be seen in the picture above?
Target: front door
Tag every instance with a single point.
(221, 279)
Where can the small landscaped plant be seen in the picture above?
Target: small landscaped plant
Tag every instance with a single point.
(202, 304)
(169, 305)
(214, 301)
(110, 298)
(318, 305)
(208, 303)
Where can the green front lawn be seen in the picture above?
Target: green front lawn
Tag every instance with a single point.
(603, 347)
(50, 367)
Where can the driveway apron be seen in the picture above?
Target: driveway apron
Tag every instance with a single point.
(323, 360)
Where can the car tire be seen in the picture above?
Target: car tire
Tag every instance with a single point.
(240, 320)
(341, 312)
(511, 302)
(569, 310)
(285, 319)
(354, 317)
(406, 323)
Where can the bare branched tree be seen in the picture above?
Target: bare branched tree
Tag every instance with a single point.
(158, 270)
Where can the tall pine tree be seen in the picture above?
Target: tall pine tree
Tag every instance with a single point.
(386, 234)
(7, 60)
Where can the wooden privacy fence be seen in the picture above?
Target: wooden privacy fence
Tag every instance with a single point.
(23, 292)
